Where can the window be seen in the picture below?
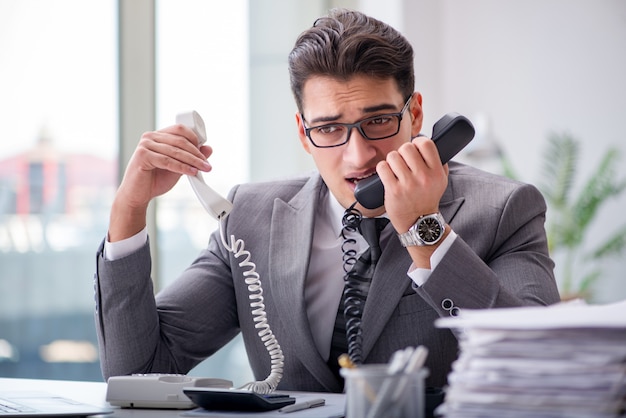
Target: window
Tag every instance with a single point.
(202, 65)
(58, 166)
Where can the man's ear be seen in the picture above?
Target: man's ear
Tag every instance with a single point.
(417, 115)
(306, 144)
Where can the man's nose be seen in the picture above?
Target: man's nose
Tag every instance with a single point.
(359, 150)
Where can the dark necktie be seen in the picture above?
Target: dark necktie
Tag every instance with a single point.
(347, 331)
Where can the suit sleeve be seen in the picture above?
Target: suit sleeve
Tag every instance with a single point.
(171, 332)
(512, 268)
(126, 320)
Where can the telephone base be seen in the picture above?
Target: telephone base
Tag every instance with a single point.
(163, 391)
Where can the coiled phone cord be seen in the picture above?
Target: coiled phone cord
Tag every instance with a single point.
(252, 279)
(352, 294)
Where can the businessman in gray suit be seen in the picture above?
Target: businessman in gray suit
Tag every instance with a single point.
(358, 114)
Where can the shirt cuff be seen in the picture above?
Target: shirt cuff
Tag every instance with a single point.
(420, 275)
(120, 249)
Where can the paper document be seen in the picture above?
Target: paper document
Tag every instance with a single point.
(566, 360)
(575, 314)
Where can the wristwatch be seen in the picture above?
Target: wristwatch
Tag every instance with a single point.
(428, 230)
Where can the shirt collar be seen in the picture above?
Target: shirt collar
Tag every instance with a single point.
(335, 213)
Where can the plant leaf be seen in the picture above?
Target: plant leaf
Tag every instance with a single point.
(559, 166)
(611, 247)
(563, 229)
(600, 187)
(584, 286)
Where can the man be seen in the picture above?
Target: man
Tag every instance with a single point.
(352, 79)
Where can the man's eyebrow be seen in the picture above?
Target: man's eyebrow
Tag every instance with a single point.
(370, 109)
(378, 108)
(331, 118)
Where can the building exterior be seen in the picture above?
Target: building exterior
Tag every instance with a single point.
(53, 213)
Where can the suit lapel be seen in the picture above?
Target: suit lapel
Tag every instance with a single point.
(390, 279)
(291, 240)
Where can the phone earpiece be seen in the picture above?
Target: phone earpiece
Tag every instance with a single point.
(194, 121)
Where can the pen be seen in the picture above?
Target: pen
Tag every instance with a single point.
(345, 363)
(313, 403)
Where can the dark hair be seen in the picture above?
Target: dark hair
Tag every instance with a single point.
(347, 43)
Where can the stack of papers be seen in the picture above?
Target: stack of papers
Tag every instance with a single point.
(566, 360)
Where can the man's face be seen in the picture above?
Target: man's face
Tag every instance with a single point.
(328, 100)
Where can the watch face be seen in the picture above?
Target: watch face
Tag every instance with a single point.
(429, 229)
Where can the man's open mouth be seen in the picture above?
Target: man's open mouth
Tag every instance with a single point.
(355, 180)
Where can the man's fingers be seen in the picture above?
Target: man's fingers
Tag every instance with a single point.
(428, 151)
(173, 153)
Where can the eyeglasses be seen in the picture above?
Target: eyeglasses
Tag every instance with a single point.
(372, 128)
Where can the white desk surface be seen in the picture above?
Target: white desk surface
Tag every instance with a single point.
(94, 393)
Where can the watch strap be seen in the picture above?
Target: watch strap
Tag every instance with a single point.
(411, 238)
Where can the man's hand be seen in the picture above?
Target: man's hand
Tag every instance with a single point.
(414, 181)
(159, 160)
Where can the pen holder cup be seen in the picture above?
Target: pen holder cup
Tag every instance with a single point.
(372, 392)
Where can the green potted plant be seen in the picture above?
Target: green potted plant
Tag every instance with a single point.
(571, 212)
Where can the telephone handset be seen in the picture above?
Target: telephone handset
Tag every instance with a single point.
(451, 134)
(212, 202)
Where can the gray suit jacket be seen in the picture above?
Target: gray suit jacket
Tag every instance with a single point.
(500, 259)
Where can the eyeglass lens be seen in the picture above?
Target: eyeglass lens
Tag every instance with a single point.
(377, 127)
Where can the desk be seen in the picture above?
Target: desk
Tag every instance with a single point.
(94, 393)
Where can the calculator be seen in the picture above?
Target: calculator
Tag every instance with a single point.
(236, 399)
